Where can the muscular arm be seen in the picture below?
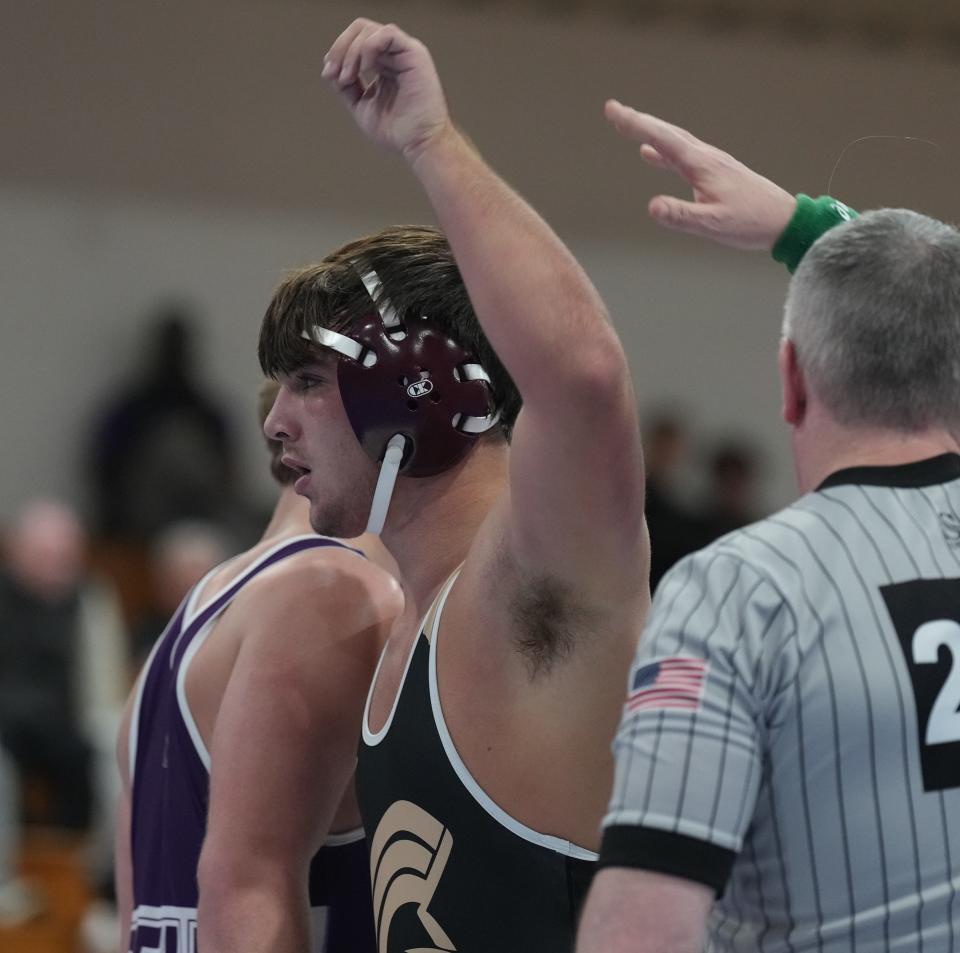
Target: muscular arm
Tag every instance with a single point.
(575, 465)
(575, 469)
(283, 750)
(637, 911)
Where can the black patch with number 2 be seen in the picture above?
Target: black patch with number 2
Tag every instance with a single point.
(926, 615)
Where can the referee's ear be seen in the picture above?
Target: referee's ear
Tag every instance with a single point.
(792, 384)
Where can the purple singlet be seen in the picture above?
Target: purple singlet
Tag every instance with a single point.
(169, 770)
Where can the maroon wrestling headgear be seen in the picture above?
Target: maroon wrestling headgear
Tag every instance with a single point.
(415, 398)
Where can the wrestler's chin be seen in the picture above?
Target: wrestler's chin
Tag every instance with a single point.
(341, 522)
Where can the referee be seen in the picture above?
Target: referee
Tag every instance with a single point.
(788, 762)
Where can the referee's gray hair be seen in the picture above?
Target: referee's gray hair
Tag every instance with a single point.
(874, 314)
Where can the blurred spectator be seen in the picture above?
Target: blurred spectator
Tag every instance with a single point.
(18, 901)
(62, 665)
(182, 555)
(39, 657)
(162, 449)
(731, 493)
(672, 527)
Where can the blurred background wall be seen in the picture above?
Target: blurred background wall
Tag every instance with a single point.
(188, 151)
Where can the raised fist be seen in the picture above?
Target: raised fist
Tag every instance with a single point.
(389, 83)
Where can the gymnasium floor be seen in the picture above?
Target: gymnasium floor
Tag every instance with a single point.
(52, 862)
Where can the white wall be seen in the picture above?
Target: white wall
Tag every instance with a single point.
(188, 147)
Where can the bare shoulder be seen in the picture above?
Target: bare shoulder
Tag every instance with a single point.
(333, 591)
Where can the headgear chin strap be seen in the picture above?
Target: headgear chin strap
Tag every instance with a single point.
(387, 480)
(415, 398)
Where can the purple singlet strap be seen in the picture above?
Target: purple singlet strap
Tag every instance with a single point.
(270, 558)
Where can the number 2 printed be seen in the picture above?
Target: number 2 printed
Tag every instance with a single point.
(926, 616)
(944, 723)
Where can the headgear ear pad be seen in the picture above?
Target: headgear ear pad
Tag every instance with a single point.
(422, 385)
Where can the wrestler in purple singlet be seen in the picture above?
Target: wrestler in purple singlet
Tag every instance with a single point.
(169, 767)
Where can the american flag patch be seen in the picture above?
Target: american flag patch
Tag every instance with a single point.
(668, 683)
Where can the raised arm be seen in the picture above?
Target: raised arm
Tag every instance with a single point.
(731, 204)
(576, 472)
(284, 749)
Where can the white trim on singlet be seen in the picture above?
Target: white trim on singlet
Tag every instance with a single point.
(134, 730)
(142, 679)
(373, 738)
(190, 615)
(186, 715)
(190, 611)
(345, 837)
(548, 841)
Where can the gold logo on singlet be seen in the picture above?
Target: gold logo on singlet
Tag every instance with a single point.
(408, 855)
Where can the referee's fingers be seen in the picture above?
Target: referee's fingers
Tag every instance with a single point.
(677, 147)
(693, 218)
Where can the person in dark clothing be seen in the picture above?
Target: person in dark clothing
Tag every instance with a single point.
(730, 502)
(162, 450)
(674, 532)
(39, 641)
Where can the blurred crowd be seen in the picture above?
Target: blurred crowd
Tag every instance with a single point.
(84, 594)
(82, 601)
(697, 491)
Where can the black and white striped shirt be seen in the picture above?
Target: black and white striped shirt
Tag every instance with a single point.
(792, 737)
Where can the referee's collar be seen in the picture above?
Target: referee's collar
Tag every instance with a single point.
(933, 470)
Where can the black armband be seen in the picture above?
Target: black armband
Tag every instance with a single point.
(664, 852)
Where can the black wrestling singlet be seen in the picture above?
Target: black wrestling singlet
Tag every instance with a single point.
(451, 871)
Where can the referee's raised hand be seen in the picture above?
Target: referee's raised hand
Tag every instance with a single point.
(388, 81)
(731, 204)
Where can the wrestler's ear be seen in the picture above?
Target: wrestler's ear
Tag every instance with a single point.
(793, 384)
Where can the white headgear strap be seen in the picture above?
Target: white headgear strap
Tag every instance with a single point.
(393, 456)
(388, 313)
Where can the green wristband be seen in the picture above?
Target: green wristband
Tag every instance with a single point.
(812, 218)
